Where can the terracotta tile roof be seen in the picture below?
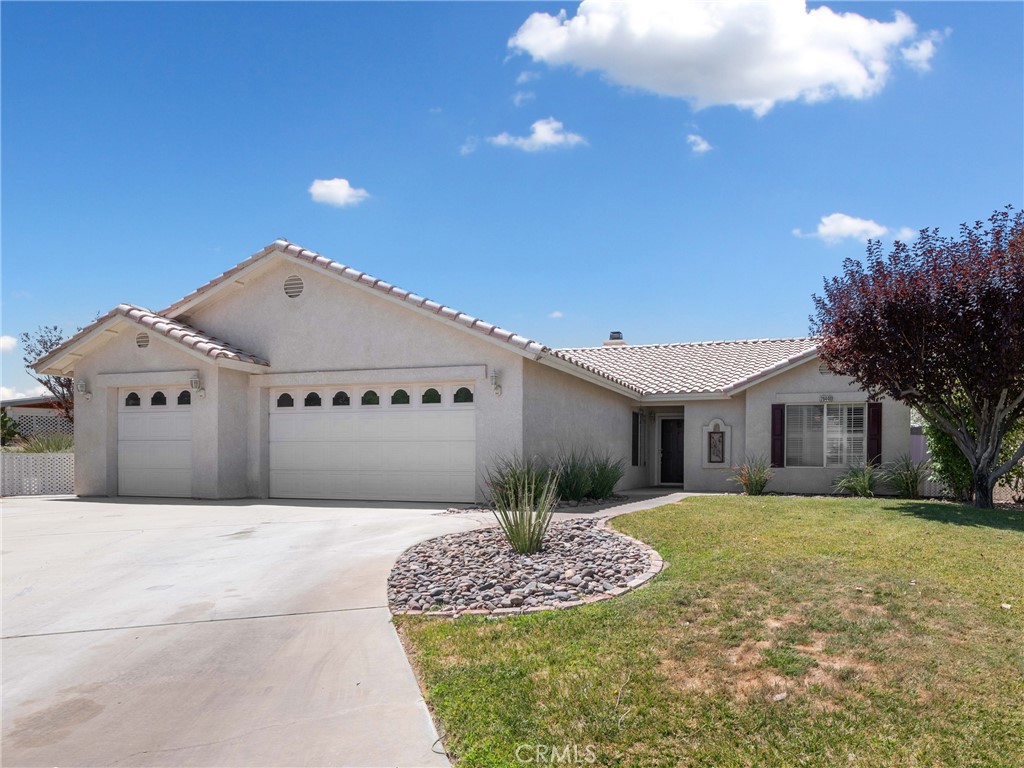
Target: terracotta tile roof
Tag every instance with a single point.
(704, 367)
(334, 267)
(183, 334)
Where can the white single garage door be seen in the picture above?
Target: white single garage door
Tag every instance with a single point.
(392, 443)
(154, 442)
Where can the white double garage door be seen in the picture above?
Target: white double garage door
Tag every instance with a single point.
(402, 442)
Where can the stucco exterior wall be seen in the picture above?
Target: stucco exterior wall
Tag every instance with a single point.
(562, 412)
(334, 326)
(115, 361)
(232, 432)
(700, 414)
(805, 385)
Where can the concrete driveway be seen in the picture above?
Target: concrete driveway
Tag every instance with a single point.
(140, 633)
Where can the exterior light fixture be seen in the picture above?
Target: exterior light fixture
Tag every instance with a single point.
(82, 388)
(496, 382)
(197, 386)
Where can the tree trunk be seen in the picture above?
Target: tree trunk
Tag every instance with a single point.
(983, 485)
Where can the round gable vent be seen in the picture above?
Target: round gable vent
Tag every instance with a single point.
(823, 370)
(142, 340)
(293, 286)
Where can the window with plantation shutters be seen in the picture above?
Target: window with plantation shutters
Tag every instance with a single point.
(804, 433)
(833, 435)
(844, 435)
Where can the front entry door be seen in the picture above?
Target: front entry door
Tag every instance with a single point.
(672, 451)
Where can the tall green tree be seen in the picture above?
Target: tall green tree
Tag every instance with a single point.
(939, 325)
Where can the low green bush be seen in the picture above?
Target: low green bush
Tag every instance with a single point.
(857, 481)
(523, 495)
(753, 475)
(55, 442)
(906, 475)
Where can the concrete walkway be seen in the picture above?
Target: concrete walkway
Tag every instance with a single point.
(145, 633)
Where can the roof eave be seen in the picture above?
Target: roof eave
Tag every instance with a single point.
(50, 364)
(781, 367)
(575, 369)
(677, 397)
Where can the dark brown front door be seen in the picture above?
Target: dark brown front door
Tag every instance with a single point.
(672, 450)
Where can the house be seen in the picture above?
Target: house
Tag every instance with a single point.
(310, 379)
(37, 415)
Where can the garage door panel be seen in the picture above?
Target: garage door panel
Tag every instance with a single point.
(154, 450)
(368, 426)
(463, 426)
(401, 457)
(391, 453)
(399, 426)
(131, 426)
(434, 456)
(155, 482)
(462, 455)
(340, 456)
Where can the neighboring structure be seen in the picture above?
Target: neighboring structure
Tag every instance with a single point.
(337, 385)
(37, 415)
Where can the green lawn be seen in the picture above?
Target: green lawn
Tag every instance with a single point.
(879, 620)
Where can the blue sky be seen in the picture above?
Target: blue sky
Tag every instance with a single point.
(675, 176)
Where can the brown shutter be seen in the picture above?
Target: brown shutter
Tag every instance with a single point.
(778, 434)
(874, 433)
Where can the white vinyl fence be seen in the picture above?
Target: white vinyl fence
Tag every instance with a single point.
(36, 474)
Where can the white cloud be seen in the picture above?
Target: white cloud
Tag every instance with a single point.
(8, 344)
(337, 192)
(840, 226)
(469, 146)
(13, 393)
(544, 134)
(556, 314)
(698, 144)
(748, 53)
(919, 53)
(521, 97)
(527, 77)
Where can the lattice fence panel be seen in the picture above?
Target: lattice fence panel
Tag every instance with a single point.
(44, 425)
(36, 474)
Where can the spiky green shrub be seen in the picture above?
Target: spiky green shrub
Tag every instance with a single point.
(905, 476)
(857, 481)
(523, 496)
(574, 475)
(511, 475)
(54, 442)
(753, 475)
(605, 474)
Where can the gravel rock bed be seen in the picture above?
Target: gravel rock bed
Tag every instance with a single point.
(478, 571)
